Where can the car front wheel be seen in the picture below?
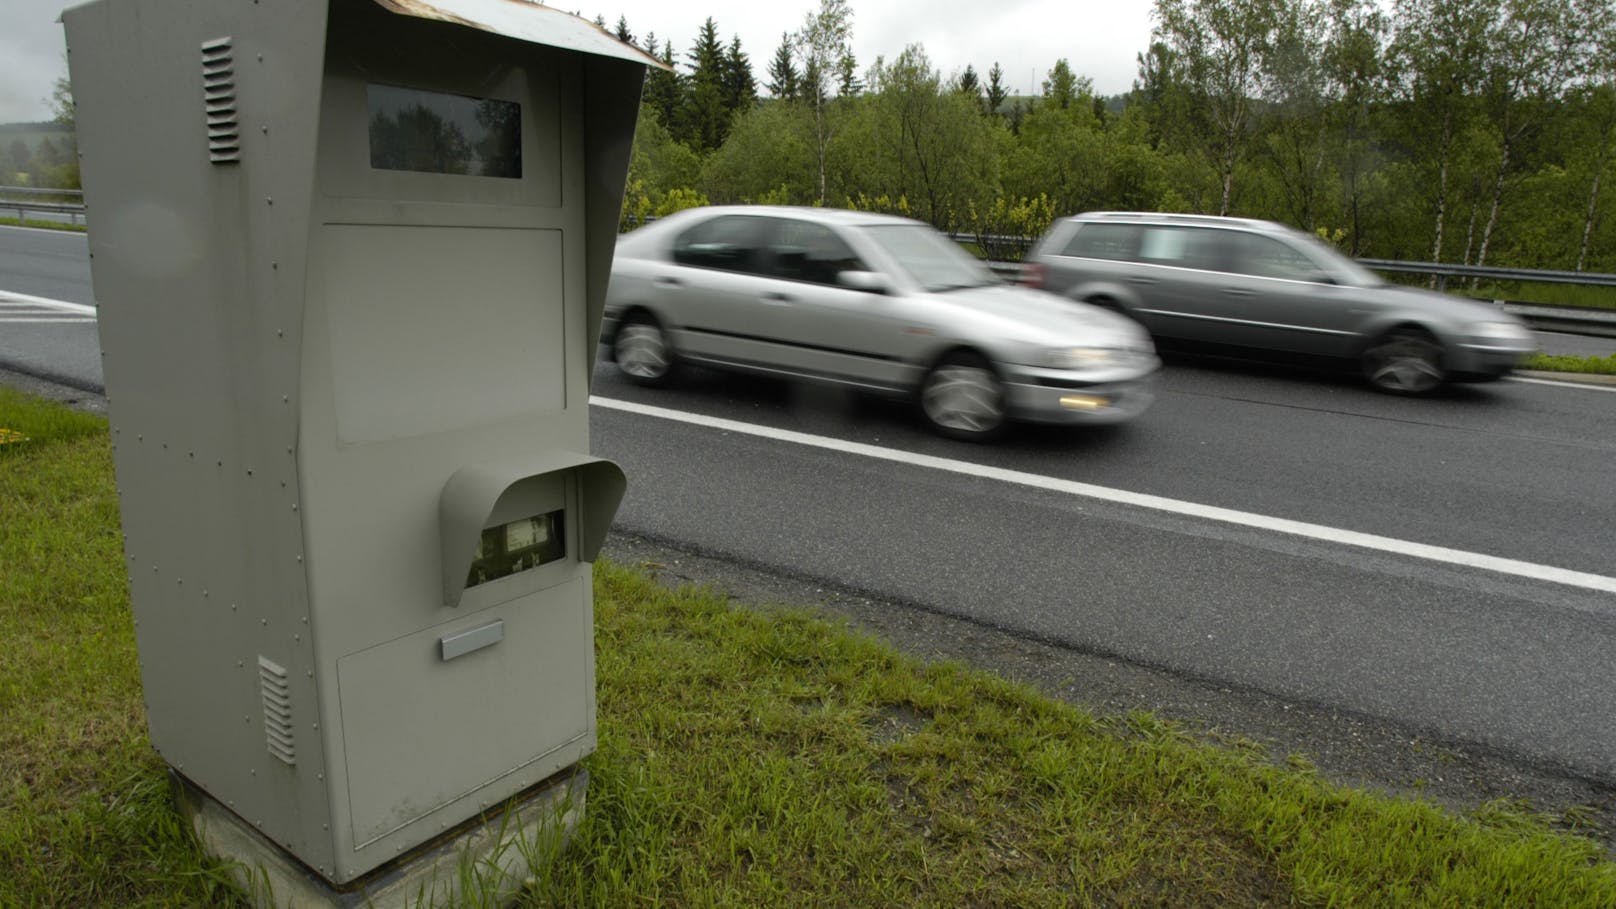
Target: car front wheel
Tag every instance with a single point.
(642, 351)
(962, 397)
(1407, 361)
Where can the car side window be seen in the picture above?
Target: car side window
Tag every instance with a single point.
(1266, 257)
(1184, 247)
(729, 243)
(805, 251)
(1104, 241)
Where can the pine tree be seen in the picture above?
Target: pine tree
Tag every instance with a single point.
(705, 120)
(622, 32)
(847, 80)
(740, 89)
(783, 78)
(970, 86)
(662, 88)
(997, 93)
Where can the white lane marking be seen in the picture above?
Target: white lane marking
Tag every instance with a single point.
(1585, 386)
(1137, 499)
(7, 296)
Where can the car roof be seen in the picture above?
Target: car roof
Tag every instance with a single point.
(843, 216)
(1154, 217)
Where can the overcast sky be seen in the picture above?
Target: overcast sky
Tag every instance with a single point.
(1025, 37)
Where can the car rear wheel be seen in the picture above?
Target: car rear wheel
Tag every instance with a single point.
(642, 351)
(962, 397)
(1406, 361)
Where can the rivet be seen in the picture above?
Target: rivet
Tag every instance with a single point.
(294, 506)
(269, 200)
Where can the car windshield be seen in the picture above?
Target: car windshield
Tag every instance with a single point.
(1341, 269)
(935, 262)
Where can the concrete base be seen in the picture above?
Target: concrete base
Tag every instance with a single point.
(493, 856)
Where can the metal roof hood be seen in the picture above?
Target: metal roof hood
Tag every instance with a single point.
(525, 21)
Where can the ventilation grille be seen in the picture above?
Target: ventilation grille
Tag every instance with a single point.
(277, 697)
(219, 94)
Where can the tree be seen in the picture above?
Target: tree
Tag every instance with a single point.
(61, 102)
(1293, 142)
(768, 158)
(1063, 88)
(823, 42)
(783, 76)
(704, 120)
(659, 166)
(847, 80)
(996, 91)
(1437, 57)
(1218, 47)
(1354, 71)
(663, 88)
(922, 144)
(969, 86)
(622, 32)
(1600, 101)
(740, 89)
(1538, 50)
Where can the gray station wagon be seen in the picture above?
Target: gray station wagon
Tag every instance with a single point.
(1254, 288)
(871, 302)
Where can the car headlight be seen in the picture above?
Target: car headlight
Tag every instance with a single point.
(1499, 331)
(1078, 357)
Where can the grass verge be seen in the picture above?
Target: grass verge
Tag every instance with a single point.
(43, 225)
(746, 759)
(1601, 366)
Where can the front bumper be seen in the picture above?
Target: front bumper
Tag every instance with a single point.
(1052, 396)
(1485, 360)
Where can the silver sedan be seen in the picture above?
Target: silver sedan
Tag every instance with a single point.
(871, 302)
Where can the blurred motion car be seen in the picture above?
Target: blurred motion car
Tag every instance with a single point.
(872, 302)
(1259, 289)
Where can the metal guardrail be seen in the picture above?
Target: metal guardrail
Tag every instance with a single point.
(29, 198)
(1487, 273)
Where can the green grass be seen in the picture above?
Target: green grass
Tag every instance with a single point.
(45, 225)
(1573, 295)
(747, 758)
(1603, 366)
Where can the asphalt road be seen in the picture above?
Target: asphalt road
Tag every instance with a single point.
(1515, 471)
(54, 264)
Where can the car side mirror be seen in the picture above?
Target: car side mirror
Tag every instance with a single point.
(868, 281)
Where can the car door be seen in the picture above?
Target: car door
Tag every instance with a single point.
(825, 328)
(710, 292)
(1279, 298)
(1177, 275)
